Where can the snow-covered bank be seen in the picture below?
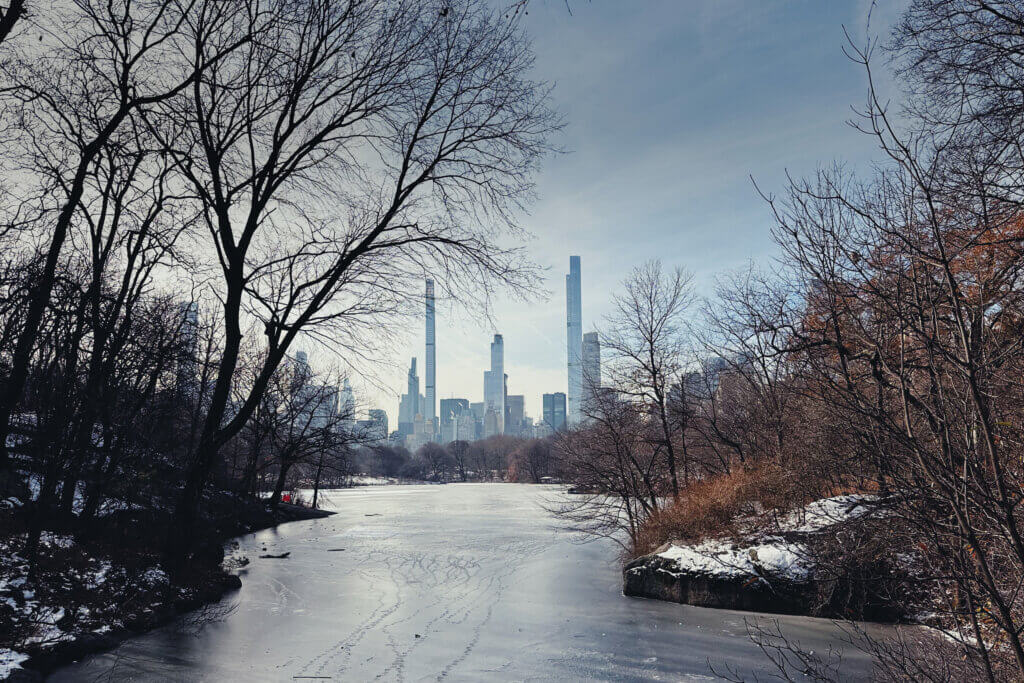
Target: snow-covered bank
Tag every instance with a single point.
(89, 594)
(77, 595)
(771, 569)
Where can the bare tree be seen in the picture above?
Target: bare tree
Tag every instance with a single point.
(437, 459)
(460, 451)
(345, 148)
(300, 421)
(99, 66)
(615, 469)
(644, 337)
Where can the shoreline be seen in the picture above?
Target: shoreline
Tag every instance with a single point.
(211, 590)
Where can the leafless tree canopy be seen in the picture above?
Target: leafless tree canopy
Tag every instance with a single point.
(208, 184)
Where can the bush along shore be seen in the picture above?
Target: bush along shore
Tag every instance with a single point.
(91, 590)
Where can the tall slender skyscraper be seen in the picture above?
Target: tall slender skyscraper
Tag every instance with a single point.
(494, 390)
(430, 409)
(574, 338)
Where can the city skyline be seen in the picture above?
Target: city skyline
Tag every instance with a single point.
(503, 413)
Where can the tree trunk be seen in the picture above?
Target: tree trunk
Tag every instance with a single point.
(316, 479)
(282, 476)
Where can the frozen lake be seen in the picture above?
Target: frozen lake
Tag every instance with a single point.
(464, 582)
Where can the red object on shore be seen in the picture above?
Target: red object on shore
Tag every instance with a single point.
(286, 498)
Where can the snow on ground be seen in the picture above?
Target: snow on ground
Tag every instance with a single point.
(770, 556)
(828, 511)
(76, 592)
(365, 480)
(721, 559)
(9, 661)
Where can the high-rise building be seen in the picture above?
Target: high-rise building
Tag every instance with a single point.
(347, 403)
(492, 423)
(429, 410)
(422, 433)
(554, 411)
(478, 411)
(324, 406)
(574, 338)
(494, 390)
(515, 414)
(409, 407)
(301, 372)
(591, 368)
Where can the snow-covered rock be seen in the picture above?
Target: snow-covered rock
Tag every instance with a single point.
(771, 570)
(772, 558)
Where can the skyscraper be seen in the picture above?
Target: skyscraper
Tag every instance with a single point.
(409, 407)
(554, 410)
(515, 414)
(429, 410)
(591, 368)
(574, 338)
(494, 389)
(347, 403)
(478, 410)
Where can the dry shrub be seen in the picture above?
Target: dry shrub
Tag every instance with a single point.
(714, 507)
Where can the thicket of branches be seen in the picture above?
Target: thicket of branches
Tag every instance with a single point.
(193, 187)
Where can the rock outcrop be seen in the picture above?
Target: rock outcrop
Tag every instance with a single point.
(661, 578)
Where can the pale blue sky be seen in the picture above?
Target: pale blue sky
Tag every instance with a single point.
(670, 106)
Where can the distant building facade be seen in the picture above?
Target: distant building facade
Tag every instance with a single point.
(515, 415)
(465, 427)
(409, 405)
(554, 411)
(376, 429)
(591, 369)
(452, 408)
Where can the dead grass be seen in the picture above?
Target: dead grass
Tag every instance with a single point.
(713, 507)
